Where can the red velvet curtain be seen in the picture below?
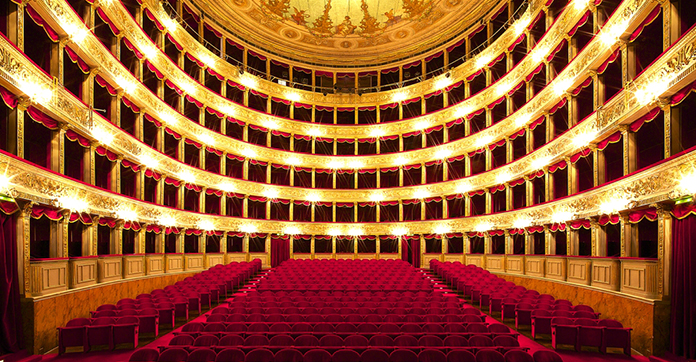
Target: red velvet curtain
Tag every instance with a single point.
(683, 324)
(415, 252)
(280, 251)
(11, 325)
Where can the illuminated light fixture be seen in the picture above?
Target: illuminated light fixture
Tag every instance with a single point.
(562, 216)
(503, 177)
(73, 203)
(541, 162)
(421, 125)
(169, 24)
(580, 4)
(150, 51)
(126, 84)
(484, 140)
(5, 183)
(335, 164)
(270, 193)
(355, 164)
(420, 194)
(248, 81)
(207, 139)
(443, 153)
(399, 231)
(206, 225)
(442, 229)
(187, 176)
(37, 92)
(523, 119)
(292, 230)
(313, 198)
(377, 133)
(443, 83)
(169, 118)
(187, 87)
(614, 205)
(650, 92)
(293, 161)
(227, 187)
(248, 228)
(539, 54)
(271, 124)
(462, 112)
(356, 231)
(484, 226)
(334, 232)
(75, 31)
(463, 188)
(401, 160)
(399, 97)
(584, 139)
(376, 197)
(207, 60)
(314, 132)
(483, 60)
(503, 88)
(522, 222)
(610, 36)
(149, 161)
(293, 97)
(227, 109)
(167, 221)
(102, 135)
(561, 87)
(687, 183)
(248, 153)
(522, 24)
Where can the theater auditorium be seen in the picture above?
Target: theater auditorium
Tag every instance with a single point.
(347, 180)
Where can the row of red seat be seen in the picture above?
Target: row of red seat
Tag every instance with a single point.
(356, 341)
(575, 325)
(343, 328)
(107, 330)
(467, 315)
(341, 355)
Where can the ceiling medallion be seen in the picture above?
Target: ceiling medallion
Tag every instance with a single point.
(342, 18)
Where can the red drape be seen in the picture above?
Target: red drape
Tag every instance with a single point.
(280, 250)
(683, 324)
(415, 252)
(11, 325)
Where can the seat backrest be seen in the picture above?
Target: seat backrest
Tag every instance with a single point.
(345, 355)
(306, 340)
(460, 355)
(480, 341)
(288, 355)
(78, 322)
(456, 341)
(489, 355)
(256, 340)
(144, 355)
(231, 340)
(562, 321)
(173, 355)
(317, 355)
(193, 327)
(259, 355)
(206, 341)
(547, 356)
(374, 355)
(202, 355)
(281, 340)
(403, 355)
(405, 341)
(518, 356)
(331, 340)
(506, 341)
(586, 322)
(230, 354)
(103, 321)
(375, 341)
(432, 355)
(181, 340)
(430, 341)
